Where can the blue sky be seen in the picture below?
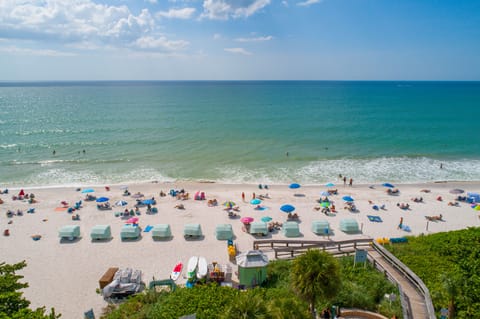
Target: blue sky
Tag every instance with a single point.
(239, 40)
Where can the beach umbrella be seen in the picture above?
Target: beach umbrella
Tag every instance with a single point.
(287, 208)
(137, 195)
(229, 203)
(456, 191)
(330, 184)
(388, 185)
(246, 220)
(102, 199)
(266, 219)
(294, 186)
(325, 204)
(477, 207)
(325, 193)
(148, 202)
(88, 190)
(121, 203)
(348, 198)
(255, 201)
(132, 220)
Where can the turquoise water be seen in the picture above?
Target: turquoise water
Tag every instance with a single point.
(238, 132)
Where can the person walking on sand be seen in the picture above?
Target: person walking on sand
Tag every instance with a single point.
(400, 225)
(351, 182)
(243, 196)
(344, 181)
(253, 196)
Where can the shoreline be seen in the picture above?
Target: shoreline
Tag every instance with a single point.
(71, 270)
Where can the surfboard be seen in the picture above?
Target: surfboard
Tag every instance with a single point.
(177, 270)
(192, 266)
(202, 268)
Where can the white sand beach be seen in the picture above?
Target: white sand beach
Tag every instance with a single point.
(65, 275)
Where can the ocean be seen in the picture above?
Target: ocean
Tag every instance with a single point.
(268, 132)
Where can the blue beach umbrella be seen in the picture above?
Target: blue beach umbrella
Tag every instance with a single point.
(294, 186)
(102, 200)
(287, 208)
(325, 193)
(88, 190)
(255, 201)
(348, 198)
(388, 185)
(266, 219)
(148, 202)
(121, 203)
(330, 184)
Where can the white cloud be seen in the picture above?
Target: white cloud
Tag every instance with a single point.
(257, 39)
(150, 43)
(238, 51)
(185, 13)
(308, 3)
(75, 22)
(285, 3)
(152, 1)
(26, 51)
(223, 9)
(217, 36)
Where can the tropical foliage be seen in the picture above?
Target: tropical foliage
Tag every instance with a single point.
(449, 264)
(12, 303)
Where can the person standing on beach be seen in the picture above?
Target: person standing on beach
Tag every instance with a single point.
(351, 182)
(243, 196)
(253, 196)
(400, 225)
(344, 181)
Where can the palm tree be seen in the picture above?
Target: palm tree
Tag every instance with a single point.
(247, 306)
(315, 275)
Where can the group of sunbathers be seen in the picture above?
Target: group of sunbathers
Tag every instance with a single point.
(393, 191)
(403, 206)
(418, 199)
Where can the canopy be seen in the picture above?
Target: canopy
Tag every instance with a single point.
(330, 184)
(294, 186)
(291, 229)
(192, 230)
(348, 198)
(320, 227)
(255, 201)
(349, 225)
(388, 185)
(224, 232)
(148, 201)
(266, 219)
(88, 190)
(161, 231)
(101, 232)
(259, 228)
(287, 208)
(229, 203)
(246, 220)
(121, 203)
(456, 191)
(102, 199)
(69, 231)
(325, 193)
(132, 220)
(129, 231)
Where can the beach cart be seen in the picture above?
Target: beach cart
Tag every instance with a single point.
(321, 227)
(161, 231)
(259, 228)
(192, 230)
(291, 229)
(349, 225)
(69, 232)
(224, 232)
(101, 232)
(129, 231)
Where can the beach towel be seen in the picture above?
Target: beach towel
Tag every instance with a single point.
(376, 219)
(60, 209)
(148, 229)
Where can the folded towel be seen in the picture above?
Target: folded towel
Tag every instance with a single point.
(147, 229)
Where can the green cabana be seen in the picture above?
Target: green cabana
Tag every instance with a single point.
(69, 232)
(224, 232)
(129, 231)
(291, 229)
(321, 227)
(161, 231)
(349, 225)
(258, 228)
(252, 268)
(101, 232)
(192, 230)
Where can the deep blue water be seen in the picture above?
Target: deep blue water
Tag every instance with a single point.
(238, 131)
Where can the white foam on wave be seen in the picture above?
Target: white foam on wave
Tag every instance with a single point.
(364, 171)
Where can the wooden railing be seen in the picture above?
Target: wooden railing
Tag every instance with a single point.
(292, 248)
(409, 275)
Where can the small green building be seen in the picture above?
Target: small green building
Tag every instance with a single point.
(252, 268)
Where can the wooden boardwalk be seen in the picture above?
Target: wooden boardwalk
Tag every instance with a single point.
(415, 297)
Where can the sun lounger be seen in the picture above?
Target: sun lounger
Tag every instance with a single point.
(375, 219)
